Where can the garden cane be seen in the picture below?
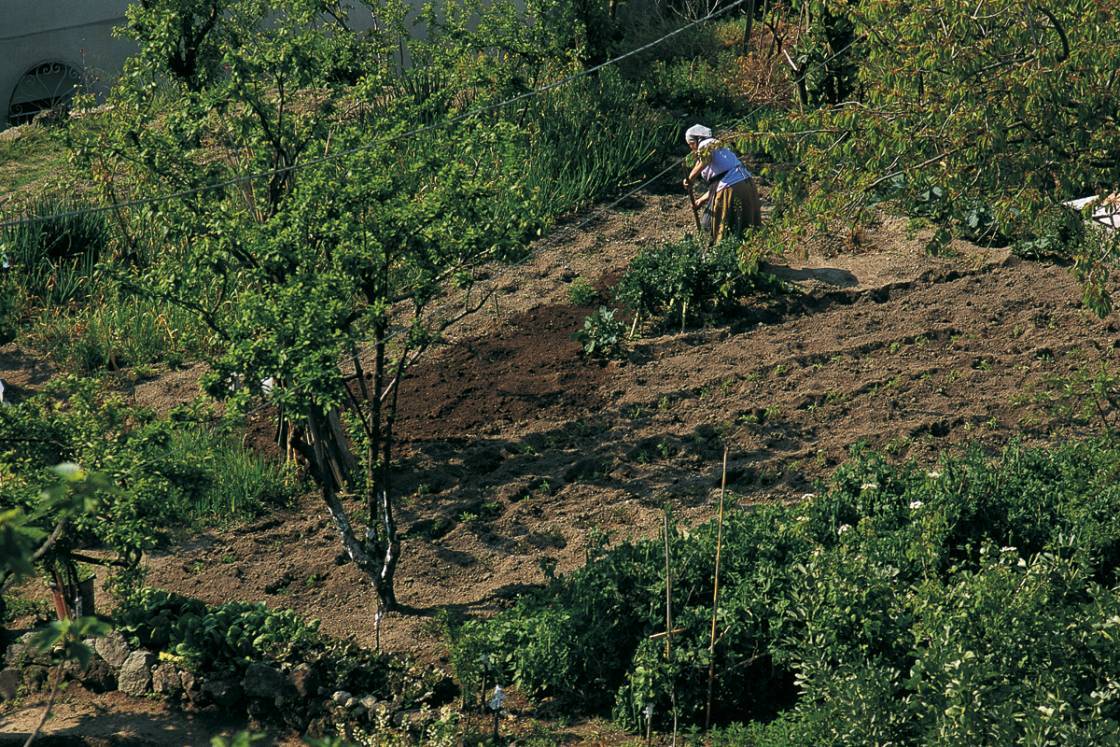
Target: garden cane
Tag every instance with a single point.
(696, 213)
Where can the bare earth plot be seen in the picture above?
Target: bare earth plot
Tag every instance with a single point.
(515, 449)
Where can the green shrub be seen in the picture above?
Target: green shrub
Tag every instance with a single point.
(601, 336)
(582, 293)
(221, 642)
(586, 139)
(169, 472)
(700, 86)
(239, 482)
(971, 604)
(685, 281)
(119, 331)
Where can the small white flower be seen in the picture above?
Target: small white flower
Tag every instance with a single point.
(933, 474)
(808, 496)
(869, 486)
(1007, 549)
(915, 505)
(843, 528)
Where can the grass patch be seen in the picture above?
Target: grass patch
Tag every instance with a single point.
(118, 331)
(240, 482)
(35, 157)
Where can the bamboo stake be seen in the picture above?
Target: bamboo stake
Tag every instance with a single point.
(695, 211)
(669, 627)
(715, 595)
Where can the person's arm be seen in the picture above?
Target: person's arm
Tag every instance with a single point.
(695, 172)
(699, 201)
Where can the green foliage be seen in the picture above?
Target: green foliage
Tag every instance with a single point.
(118, 330)
(52, 261)
(1007, 115)
(222, 639)
(238, 483)
(601, 336)
(686, 281)
(974, 603)
(701, 86)
(582, 293)
(163, 472)
(586, 138)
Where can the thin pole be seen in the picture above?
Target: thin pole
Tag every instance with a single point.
(715, 595)
(695, 210)
(669, 627)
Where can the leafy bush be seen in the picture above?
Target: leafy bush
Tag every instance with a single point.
(973, 603)
(601, 335)
(587, 138)
(165, 473)
(582, 293)
(685, 281)
(700, 86)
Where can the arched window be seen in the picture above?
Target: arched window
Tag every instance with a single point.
(45, 86)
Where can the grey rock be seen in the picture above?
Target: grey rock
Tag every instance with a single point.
(340, 696)
(192, 688)
(369, 703)
(350, 702)
(223, 693)
(166, 679)
(97, 676)
(135, 677)
(263, 681)
(9, 683)
(22, 652)
(35, 676)
(112, 648)
(15, 654)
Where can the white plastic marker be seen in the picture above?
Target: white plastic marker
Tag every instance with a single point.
(1107, 213)
(495, 704)
(1, 391)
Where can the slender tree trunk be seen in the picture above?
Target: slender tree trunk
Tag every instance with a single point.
(748, 26)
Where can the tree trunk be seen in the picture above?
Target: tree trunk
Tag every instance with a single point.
(748, 27)
(330, 458)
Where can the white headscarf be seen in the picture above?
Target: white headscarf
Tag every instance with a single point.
(697, 133)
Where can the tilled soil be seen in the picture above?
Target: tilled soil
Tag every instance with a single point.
(515, 449)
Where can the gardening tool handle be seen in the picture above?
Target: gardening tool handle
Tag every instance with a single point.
(692, 204)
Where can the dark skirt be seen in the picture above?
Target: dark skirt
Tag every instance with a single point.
(732, 210)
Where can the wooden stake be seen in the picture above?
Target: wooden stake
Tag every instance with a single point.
(715, 595)
(669, 627)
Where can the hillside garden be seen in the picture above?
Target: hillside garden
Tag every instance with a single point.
(413, 334)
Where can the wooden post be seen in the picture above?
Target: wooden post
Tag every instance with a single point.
(715, 595)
